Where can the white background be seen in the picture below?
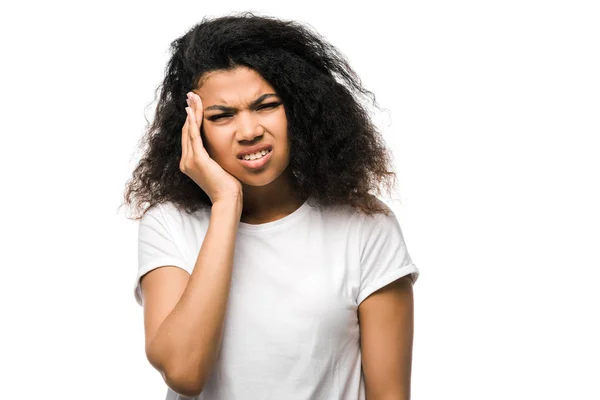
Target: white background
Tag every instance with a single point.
(494, 110)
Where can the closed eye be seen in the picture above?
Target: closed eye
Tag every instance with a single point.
(216, 117)
(263, 106)
(269, 105)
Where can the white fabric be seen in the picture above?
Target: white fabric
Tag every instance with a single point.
(291, 327)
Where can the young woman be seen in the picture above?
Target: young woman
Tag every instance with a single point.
(267, 269)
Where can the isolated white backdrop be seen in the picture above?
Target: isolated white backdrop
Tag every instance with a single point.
(494, 111)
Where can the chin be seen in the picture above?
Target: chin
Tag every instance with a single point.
(257, 181)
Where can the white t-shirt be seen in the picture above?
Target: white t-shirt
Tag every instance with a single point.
(291, 326)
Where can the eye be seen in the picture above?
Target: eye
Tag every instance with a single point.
(216, 117)
(269, 105)
(262, 106)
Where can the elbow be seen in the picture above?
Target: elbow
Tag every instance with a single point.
(185, 381)
(185, 385)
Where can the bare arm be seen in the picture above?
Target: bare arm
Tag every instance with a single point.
(184, 346)
(386, 328)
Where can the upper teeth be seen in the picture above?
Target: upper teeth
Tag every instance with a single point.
(256, 155)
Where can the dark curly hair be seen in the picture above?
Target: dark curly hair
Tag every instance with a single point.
(337, 155)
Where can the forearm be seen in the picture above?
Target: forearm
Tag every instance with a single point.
(187, 343)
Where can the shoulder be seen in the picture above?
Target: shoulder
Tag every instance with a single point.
(372, 221)
(352, 220)
(174, 216)
(339, 216)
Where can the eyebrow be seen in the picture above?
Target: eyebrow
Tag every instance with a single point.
(232, 109)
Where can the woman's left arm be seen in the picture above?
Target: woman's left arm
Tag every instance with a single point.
(386, 320)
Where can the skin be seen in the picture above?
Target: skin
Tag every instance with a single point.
(386, 317)
(386, 338)
(267, 193)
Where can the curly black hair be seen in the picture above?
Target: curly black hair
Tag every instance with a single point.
(337, 155)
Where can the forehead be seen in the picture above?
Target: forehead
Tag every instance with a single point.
(228, 87)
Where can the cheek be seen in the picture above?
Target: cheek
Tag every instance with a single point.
(217, 147)
(208, 142)
(281, 119)
(278, 125)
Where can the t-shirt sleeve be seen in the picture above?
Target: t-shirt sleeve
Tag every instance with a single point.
(156, 247)
(384, 257)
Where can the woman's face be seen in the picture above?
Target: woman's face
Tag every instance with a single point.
(241, 110)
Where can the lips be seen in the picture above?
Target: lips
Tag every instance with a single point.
(257, 164)
(254, 149)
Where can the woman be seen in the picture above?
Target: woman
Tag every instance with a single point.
(267, 270)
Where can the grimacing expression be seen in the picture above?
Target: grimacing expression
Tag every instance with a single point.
(234, 120)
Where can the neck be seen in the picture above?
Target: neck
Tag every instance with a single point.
(270, 202)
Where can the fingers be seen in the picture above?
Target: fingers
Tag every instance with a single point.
(195, 104)
(196, 147)
(191, 141)
(185, 142)
(198, 108)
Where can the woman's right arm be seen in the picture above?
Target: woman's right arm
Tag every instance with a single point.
(183, 316)
(185, 346)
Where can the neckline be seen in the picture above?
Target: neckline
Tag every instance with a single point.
(281, 222)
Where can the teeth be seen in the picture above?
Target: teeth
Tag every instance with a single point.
(256, 155)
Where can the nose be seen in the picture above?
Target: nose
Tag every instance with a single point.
(249, 126)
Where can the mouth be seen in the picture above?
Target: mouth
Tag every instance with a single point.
(257, 162)
(255, 152)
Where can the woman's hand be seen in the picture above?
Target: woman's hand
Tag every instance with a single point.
(195, 162)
